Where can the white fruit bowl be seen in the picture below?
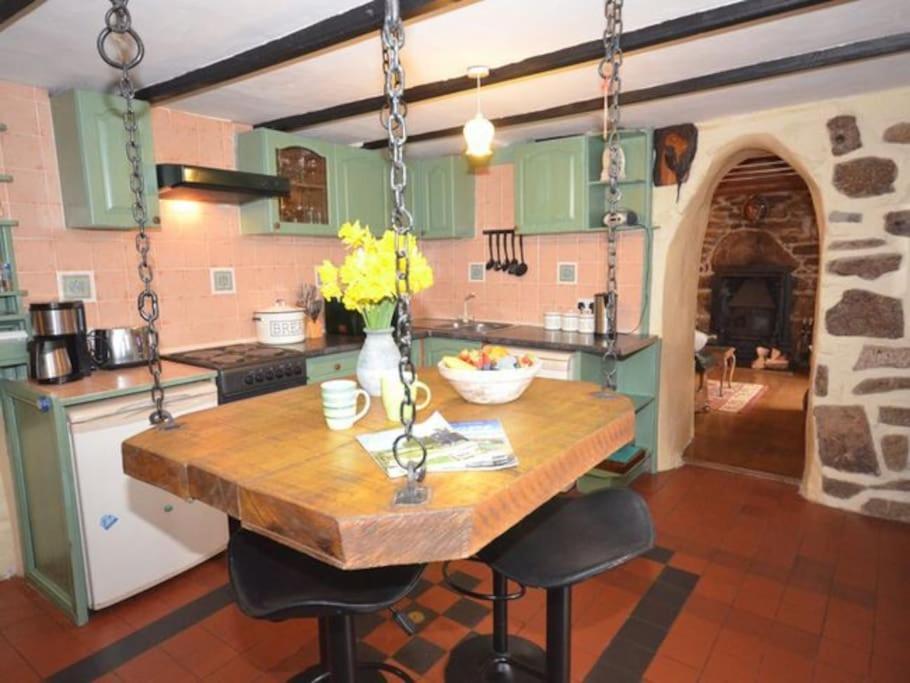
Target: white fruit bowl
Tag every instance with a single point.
(490, 386)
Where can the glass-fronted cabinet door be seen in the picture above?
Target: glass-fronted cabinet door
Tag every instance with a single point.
(308, 165)
(307, 172)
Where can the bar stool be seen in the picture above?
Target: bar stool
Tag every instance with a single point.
(274, 582)
(565, 541)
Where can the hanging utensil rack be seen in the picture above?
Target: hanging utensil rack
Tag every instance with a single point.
(504, 263)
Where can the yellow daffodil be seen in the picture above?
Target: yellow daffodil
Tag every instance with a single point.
(367, 281)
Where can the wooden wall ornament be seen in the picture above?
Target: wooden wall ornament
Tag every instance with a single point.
(674, 151)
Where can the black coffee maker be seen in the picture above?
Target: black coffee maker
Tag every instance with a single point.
(58, 351)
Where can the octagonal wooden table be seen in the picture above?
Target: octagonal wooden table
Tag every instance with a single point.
(271, 463)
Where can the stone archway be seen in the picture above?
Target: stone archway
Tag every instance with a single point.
(680, 282)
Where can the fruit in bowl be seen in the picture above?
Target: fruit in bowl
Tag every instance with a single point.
(489, 375)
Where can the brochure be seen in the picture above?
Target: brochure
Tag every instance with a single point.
(458, 447)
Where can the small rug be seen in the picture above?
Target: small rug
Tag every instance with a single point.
(736, 398)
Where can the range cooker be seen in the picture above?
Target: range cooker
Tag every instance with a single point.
(247, 370)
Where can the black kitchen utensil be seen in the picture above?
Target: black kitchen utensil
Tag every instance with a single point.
(498, 264)
(491, 263)
(513, 264)
(505, 250)
(522, 267)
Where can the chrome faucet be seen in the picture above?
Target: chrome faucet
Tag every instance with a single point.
(465, 318)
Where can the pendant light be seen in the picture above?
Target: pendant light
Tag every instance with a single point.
(478, 131)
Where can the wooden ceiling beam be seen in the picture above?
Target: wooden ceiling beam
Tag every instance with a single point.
(688, 26)
(10, 10)
(354, 23)
(808, 61)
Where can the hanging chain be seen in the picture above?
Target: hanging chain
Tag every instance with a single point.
(118, 21)
(393, 118)
(609, 70)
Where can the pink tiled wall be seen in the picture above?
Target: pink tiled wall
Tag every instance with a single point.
(193, 236)
(525, 299)
(196, 236)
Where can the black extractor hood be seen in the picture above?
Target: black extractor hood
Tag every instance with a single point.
(218, 185)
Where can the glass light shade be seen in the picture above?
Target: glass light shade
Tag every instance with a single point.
(478, 134)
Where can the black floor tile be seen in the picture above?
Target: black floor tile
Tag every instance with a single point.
(419, 654)
(419, 615)
(678, 578)
(467, 612)
(368, 653)
(641, 633)
(464, 580)
(420, 588)
(659, 554)
(625, 656)
(365, 623)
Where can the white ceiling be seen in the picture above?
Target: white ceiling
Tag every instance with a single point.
(53, 47)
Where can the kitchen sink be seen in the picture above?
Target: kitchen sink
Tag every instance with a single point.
(473, 326)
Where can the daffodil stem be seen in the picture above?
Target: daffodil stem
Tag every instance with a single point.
(379, 316)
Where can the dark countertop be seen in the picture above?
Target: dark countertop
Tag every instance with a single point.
(516, 335)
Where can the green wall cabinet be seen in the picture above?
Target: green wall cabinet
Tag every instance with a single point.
(312, 200)
(443, 197)
(550, 189)
(362, 188)
(94, 172)
(558, 187)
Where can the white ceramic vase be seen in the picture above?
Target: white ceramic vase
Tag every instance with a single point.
(378, 355)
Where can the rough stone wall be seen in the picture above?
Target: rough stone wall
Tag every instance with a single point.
(854, 154)
(791, 225)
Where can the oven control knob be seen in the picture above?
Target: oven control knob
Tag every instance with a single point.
(279, 372)
(259, 376)
(269, 374)
(298, 369)
(249, 379)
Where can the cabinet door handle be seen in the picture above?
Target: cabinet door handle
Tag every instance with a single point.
(338, 366)
(156, 220)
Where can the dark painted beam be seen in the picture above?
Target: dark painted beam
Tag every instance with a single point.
(698, 23)
(10, 8)
(843, 54)
(334, 30)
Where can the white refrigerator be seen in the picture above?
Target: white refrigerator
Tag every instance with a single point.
(135, 535)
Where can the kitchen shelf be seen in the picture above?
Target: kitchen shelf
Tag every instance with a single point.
(640, 401)
(8, 223)
(599, 479)
(6, 178)
(14, 292)
(13, 317)
(636, 181)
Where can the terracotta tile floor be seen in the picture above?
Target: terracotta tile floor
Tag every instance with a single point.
(770, 588)
(767, 436)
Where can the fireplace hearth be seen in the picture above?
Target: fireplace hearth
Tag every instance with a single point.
(750, 307)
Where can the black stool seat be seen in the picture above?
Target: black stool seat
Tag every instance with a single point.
(570, 539)
(274, 582)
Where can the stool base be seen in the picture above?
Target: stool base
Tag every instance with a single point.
(366, 673)
(473, 659)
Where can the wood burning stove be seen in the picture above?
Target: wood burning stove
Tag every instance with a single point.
(750, 307)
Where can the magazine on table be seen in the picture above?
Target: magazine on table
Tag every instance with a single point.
(455, 447)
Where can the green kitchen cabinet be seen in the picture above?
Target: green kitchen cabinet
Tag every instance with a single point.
(362, 188)
(91, 154)
(638, 378)
(308, 164)
(331, 366)
(558, 186)
(434, 348)
(443, 197)
(550, 186)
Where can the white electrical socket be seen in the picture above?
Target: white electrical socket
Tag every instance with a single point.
(588, 304)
